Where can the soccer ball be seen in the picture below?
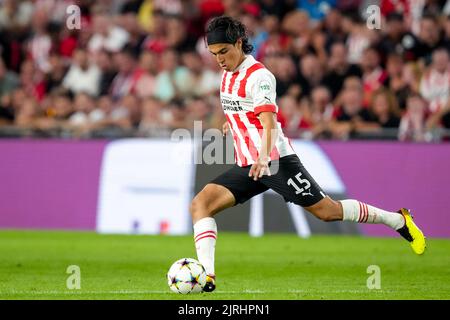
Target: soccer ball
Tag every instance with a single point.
(186, 275)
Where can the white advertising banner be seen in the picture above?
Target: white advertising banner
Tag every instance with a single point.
(321, 168)
(146, 186)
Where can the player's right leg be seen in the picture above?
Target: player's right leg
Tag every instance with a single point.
(230, 188)
(211, 200)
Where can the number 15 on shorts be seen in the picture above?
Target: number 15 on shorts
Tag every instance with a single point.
(301, 186)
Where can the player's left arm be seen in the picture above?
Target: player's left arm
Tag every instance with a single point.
(269, 137)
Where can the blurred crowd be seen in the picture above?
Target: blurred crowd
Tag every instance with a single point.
(141, 67)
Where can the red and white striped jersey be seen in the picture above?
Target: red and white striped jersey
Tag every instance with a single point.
(244, 94)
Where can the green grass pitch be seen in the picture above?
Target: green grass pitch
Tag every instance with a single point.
(33, 265)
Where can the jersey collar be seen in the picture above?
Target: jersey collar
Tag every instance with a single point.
(248, 62)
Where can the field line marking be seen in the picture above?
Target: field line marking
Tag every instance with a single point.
(81, 292)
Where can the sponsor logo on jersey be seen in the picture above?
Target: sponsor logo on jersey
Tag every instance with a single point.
(231, 105)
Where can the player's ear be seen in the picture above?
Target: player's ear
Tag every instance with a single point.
(238, 44)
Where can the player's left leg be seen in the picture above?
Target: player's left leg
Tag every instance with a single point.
(296, 185)
(328, 209)
(352, 210)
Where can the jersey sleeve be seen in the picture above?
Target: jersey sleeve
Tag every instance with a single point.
(264, 93)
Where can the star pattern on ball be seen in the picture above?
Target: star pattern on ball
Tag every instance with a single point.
(194, 281)
(183, 263)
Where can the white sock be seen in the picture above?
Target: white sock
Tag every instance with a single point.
(205, 234)
(363, 213)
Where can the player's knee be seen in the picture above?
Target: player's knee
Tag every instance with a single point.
(212, 199)
(199, 207)
(197, 210)
(320, 213)
(326, 217)
(327, 211)
(196, 207)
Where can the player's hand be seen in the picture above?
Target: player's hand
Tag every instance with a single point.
(225, 128)
(259, 168)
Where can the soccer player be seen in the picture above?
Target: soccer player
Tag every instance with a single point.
(264, 156)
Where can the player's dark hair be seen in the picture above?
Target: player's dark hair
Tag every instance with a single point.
(234, 30)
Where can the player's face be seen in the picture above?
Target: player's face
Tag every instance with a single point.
(228, 56)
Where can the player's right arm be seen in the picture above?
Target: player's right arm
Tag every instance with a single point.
(261, 166)
(265, 109)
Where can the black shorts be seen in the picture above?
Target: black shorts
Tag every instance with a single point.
(291, 180)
